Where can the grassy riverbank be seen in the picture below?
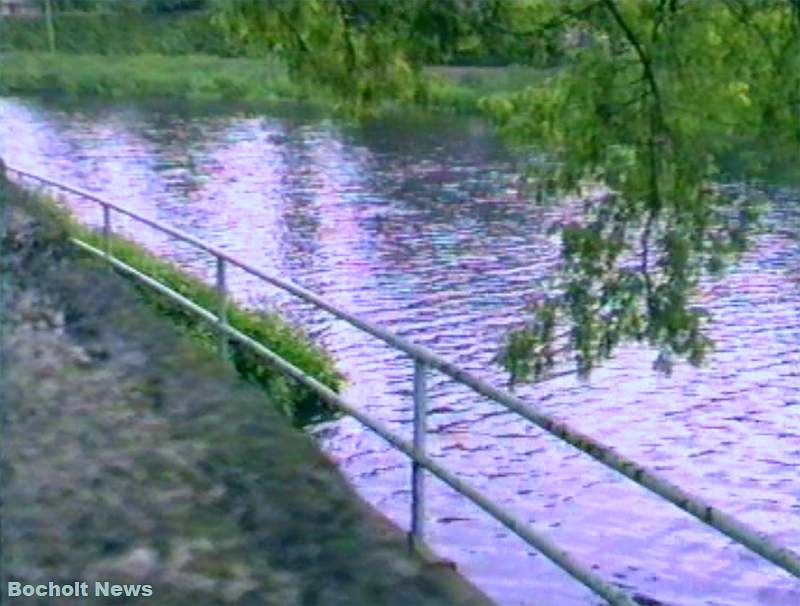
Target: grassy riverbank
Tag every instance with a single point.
(256, 82)
(297, 403)
(201, 77)
(132, 455)
(461, 89)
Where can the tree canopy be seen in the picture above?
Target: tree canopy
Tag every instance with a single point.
(646, 100)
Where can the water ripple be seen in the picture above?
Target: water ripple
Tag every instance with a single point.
(421, 227)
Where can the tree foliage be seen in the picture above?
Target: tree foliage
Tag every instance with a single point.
(127, 6)
(649, 97)
(647, 106)
(356, 50)
(368, 52)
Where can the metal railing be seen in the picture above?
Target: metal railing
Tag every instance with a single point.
(426, 360)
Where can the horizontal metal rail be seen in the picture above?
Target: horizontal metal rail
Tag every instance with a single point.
(509, 520)
(757, 542)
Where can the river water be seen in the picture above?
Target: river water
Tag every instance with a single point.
(419, 224)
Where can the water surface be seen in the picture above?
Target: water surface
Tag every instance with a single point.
(420, 225)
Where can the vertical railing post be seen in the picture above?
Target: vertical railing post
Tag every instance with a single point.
(416, 535)
(107, 230)
(51, 30)
(222, 312)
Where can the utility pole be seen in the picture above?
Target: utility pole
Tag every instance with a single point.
(51, 31)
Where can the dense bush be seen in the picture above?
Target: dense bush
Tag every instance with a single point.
(125, 32)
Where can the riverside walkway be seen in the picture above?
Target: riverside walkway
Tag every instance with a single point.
(132, 456)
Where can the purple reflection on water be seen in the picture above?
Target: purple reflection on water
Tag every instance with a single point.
(420, 226)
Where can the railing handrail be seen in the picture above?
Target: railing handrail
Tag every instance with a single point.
(417, 352)
(759, 543)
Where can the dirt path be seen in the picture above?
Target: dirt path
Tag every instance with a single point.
(130, 455)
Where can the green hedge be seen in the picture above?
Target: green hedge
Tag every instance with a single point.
(118, 33)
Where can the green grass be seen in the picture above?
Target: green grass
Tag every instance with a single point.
(201, 77)
(253, 81)
(461, 89)
(129, 54)
(298, 403)
(289, 342)
(121, 439)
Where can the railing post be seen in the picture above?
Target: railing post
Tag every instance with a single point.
(416, 535)
(222, 312)
(107, 230)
